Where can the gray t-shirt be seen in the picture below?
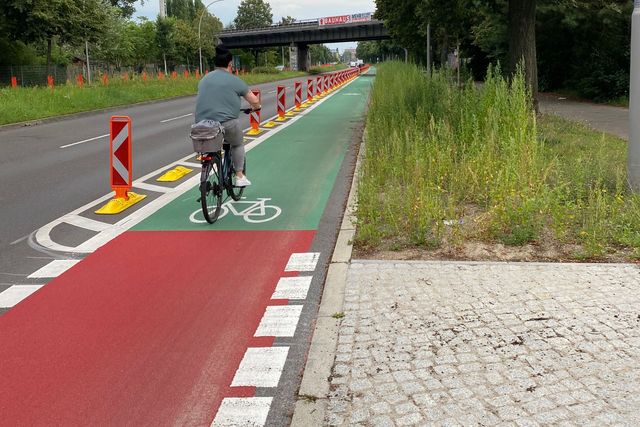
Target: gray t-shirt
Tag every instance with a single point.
(219, 95)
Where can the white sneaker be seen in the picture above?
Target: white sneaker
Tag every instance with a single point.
(242, 182)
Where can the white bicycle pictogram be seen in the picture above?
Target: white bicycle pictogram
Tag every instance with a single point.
(255, 212)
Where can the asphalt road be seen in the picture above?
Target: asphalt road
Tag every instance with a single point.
(44, 177)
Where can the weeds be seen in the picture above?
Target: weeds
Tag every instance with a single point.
(446, 165)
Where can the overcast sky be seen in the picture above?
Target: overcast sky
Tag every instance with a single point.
(299, 9)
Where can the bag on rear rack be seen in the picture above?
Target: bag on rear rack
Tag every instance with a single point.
(207, 136)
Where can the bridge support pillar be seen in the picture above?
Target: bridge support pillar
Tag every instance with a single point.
(303, 57)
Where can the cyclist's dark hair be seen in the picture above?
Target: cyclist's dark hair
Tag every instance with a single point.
(223, 57)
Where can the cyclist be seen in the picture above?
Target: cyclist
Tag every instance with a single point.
(218, 99)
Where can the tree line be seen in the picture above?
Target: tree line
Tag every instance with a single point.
(38, 32)
(577, 45)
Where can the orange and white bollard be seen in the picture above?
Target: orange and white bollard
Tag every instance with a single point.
(174, 75)
(318, 87)
(80, 80)
(327, 88)
(14, 82)
(297, 97)
(121, 167)
(281, 103)
(186, 74)
(197, 74)
(50, 81)
(144, 76)
(254, 117)
(309, 91)
(160, 75)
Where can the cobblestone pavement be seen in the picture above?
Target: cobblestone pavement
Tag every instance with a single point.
(444, 343)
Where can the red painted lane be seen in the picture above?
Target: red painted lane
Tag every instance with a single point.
(149, 330)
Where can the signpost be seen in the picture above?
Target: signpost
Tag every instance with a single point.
(633, 162)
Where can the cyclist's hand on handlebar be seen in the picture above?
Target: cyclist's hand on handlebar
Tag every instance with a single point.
(249, 110)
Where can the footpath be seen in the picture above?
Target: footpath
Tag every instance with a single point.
(476, 343)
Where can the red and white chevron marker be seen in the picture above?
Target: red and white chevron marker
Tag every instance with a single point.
(121, 174)
(281, 107)
(310, 90)
(298, 95)
(254, 116)
(326, 84)
(318, 87)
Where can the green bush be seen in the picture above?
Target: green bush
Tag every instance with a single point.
(265, 70)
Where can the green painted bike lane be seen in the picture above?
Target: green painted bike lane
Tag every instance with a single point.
(294, 170)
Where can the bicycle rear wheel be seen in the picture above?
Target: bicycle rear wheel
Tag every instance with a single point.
(211, 188)
(232, 190)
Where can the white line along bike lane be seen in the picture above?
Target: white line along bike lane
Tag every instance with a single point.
(178, 322)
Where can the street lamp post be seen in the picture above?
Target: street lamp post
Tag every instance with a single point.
(633, 161)
(199, 24)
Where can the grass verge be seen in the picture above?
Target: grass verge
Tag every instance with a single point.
(448, 168)
(31, 103)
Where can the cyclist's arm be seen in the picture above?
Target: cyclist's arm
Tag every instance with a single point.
(253, 100)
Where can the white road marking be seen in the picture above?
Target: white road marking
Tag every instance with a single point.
(15, 294)
(273, 91)
(19, 240)
(83, 141)
(86, 223)
(176, 118)
(279, 321)
(261, 367)
(243, 411)
(292, 287)
(42, 235)
(54, 268)
(303, 261)
(152, 187)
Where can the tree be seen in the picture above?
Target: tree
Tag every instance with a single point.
(522, 42)
(253, 14)
(126, 7)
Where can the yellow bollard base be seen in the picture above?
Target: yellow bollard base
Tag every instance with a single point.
(291, 113)
(281, 119)
(254, 132)
(175, 174)
(269, 125)
(115, 206)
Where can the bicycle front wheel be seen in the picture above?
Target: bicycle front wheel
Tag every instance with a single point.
(232, 190)
(211, 189)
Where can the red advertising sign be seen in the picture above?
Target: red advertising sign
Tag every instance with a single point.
(346, 19)
(335, 20)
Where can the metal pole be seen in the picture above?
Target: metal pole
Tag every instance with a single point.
(199, 25)
(429, 47)
(86, 45)
(633, 162)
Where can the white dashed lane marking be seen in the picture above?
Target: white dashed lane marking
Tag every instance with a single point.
(261, 367)
(176, 118)
(279, 321)
(54, 268)
(243, 411)
(15, 294)
(292, 288)
(303, 261)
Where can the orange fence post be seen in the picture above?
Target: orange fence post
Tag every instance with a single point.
(144, 76)
(197, 74)
(50, 81)
(105, 80)
(206, 72)
(80, 80)
(254, 117)
(14, 82)
(174, 75)
(160, 75)
(125, 77)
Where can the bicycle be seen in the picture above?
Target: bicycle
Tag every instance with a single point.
(216, 176)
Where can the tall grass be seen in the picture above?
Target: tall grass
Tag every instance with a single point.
(445, 165)
(30, 103)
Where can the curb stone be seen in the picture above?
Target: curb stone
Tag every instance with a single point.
(314, 388)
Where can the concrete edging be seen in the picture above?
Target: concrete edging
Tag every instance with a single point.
(314, 388)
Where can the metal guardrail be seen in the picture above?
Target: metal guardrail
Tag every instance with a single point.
(297, 24)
